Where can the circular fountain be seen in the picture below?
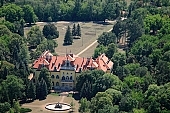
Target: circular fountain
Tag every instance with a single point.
(58, 107)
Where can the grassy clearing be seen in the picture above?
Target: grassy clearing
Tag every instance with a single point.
(89, 30)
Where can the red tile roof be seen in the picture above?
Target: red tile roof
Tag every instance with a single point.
(54, 63)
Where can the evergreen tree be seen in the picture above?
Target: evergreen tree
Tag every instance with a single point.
(43, 89)
(5, 73)
(78, 31)
(74, 30)
(46, 76)
(68, 40)
(31, 91)
(37, 89)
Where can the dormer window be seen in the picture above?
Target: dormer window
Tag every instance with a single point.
(67, 64)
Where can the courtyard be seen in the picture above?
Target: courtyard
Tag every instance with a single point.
(38, 106)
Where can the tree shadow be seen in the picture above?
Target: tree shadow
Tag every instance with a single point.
(66, 44)
(102, 22)
(26, 101)
(76, 96)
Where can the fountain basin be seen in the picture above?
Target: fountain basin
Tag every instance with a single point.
(52, 107)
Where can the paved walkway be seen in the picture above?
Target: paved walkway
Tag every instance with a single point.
(62, 99)
(90, 45)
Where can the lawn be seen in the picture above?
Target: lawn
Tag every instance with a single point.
(89, 30)
(39, 106)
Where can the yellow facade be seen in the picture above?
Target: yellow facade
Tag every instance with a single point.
(63, 79)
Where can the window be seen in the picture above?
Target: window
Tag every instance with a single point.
(67, 73)
(52, 76)
(57, 83)
(71, 78)
(67, 64)
(71, 73)
(62, 84)
(63, 78)
(57, 77)
(67, 78)
(63, 72)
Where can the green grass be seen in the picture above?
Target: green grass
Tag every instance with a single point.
(54, 94)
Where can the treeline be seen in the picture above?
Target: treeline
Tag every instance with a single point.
(141, 75)
(75, 10)
(16, 55)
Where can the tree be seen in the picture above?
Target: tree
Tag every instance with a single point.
(100, 49)
(119, 59)
(86, 80)
(16, 107)
(153, 22)
(4, 107)
(106, 81)
(119, 29)
(74, 30)
(35, 36)
(46, 77)
(99, 101)
(111, 50)
(127, 103)
(38, 89)
(12, 12)
(116, 95)
(4, 31)
(84, 105)
(109, 109)
(43, 89)
(31, 91)
(47, 45)
(12, 88)
(29, 15)
(68, 40)
(50, 31)
(78, 31)
(106, 38)
(133, 36)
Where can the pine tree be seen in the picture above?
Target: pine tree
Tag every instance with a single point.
(68, 40)
(74, 30)
(43, 89)
(31, 91)
(46, 76)
(78, 31)
(37, 90)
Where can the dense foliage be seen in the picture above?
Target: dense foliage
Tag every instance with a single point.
(140, 78)
(142, 69)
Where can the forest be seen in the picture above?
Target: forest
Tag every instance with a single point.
(140, 79)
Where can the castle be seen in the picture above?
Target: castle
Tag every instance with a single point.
(65, 69)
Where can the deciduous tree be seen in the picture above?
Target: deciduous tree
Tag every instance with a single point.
(50, 31)
(106, 38)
